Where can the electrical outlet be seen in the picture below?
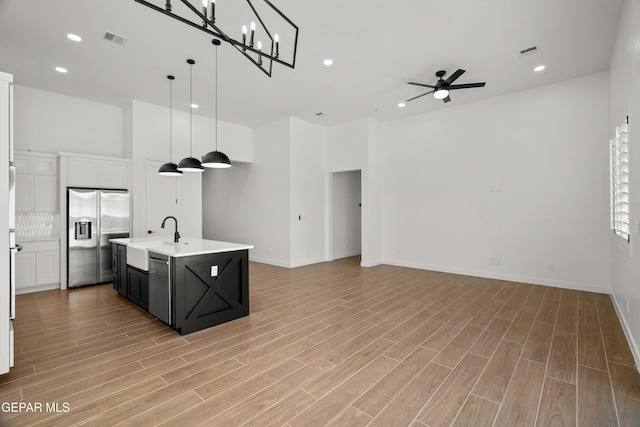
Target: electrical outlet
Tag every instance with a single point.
(496, 261)
(214, 271)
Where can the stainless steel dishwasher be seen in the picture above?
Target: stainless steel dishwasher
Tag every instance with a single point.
(160, 287)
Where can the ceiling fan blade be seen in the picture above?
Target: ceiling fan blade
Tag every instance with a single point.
(447, 99)
(453, 77)
(419, 96)
(467, 85)
(421, 84)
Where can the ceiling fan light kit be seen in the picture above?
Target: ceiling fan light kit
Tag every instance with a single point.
(440, 94)
(208, 19)
(442, 87)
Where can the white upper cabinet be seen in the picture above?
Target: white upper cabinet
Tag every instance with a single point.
(98, 173)
(36, 182)
(36, 164)
(113, 174)
(25, 192)
(45, 189)
(84, 172)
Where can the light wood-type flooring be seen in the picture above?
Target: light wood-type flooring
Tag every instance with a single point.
(329, 344)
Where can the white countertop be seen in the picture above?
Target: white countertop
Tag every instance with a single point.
(187, 246)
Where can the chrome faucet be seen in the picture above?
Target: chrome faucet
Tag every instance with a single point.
(176, 235)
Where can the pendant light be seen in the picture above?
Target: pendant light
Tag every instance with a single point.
(190, 164)
(170, 169)
(216, 159)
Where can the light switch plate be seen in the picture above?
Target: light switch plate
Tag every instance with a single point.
(214, 271)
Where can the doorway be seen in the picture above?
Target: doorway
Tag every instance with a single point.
(347, 214)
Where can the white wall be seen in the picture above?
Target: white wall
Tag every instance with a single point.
(625, 100)
(347, 214)
(545, 148)
(307, 190)
(47, 122)
(250, 203)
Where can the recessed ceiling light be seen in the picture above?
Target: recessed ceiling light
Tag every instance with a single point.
(194, 105)
(328, 62)
(401, 105)
(74, 37)
(61, 70)
(539, 68)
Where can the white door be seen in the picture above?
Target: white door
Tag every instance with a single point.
(161, 197)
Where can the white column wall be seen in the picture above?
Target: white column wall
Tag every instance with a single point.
(308, 169)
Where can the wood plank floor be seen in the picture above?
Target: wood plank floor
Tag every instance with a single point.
(329, 344)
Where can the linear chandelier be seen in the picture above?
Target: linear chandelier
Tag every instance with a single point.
(251, 27)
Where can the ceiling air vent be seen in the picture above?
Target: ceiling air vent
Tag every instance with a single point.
(112, 37)
(529, 50)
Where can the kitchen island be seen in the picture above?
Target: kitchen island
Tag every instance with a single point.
(191, 285)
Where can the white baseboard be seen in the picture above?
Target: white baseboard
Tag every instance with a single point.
(269, 261)
(633, 345)
(347, 254)
(40, 288)
(307, 262)
(287, 264)
(588, 287)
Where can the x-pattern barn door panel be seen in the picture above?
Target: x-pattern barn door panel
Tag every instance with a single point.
(214, 289)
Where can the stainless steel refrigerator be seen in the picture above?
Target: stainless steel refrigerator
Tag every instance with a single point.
(94, 217)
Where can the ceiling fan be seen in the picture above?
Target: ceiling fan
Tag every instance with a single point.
(442, 87)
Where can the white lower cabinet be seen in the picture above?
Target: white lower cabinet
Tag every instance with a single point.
(38, 266)
(25, 271)
(48, 267)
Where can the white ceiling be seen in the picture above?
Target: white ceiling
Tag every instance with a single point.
(377, 47)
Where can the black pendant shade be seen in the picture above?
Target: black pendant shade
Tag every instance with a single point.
(216, 160)
(170, 169)
(190, 164)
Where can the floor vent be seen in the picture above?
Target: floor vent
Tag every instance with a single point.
(112, 37)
